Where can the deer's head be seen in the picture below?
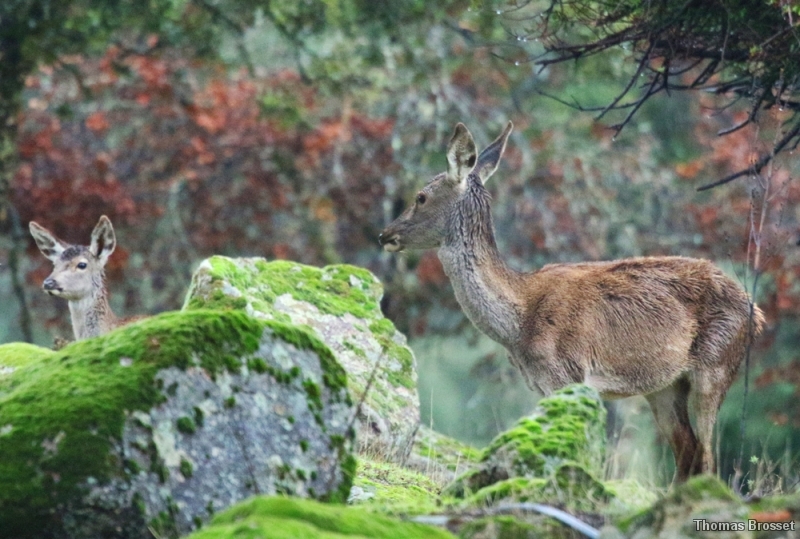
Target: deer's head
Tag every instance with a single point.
(424, 224)
(77, 269)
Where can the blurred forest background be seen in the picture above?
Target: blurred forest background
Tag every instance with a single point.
(298, 129)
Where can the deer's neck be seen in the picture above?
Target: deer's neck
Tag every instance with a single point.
(484, 285)
(92, 315)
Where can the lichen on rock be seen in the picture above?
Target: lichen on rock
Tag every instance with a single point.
(340, 304)
(161, 423)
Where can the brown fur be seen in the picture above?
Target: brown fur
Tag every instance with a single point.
(672, 329)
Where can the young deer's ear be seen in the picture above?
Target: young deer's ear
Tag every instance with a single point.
(103, 240)
(461, 154)
(490, 157)
(49, 245)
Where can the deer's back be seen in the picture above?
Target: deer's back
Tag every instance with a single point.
(639, 321)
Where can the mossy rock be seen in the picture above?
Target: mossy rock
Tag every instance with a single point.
(291, 518)
(565, 429)
(160, 423)
(570, 486)
(567, 426)
(340, 304)
(628, 497)
(703, 497)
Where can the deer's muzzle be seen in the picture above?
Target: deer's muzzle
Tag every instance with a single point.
(50, 286)
(390, 242)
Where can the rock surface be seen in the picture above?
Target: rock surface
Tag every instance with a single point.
(161, 423)
(341, 305)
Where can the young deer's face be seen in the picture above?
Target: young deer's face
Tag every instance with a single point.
(77, 269)
(424, 224)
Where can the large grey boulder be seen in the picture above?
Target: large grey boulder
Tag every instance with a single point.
(158, 425)
(340, 304)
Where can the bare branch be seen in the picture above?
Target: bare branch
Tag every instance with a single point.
(645, 58)
(763, 161)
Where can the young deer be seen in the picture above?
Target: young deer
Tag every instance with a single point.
(78, 276)
(664, 327)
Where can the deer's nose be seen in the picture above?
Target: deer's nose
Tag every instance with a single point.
(49, 284)
(381, 238)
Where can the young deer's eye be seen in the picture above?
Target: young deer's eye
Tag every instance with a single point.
(421, 198)
(81, 265)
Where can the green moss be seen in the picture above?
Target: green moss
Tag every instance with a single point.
(562, 442)
(230, 402)
(383, 330)
(335, 290)
(186, 425)
(164, 524)
(333, 374)
(132, 467)
(698, 491)
(569, 486)
(700, 488)
(517, 488)
(313, 394)
(20, 354)
(396, 490)
(790, 502)
(16, 358)
(186, 468)
(449, 452)
(257, 364)
(568, 426)
(199, 417)
(65, 412)
(629, 497)
(347, 467)
(357, 350)
(292, 518)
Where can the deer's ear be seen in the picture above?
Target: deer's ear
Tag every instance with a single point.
(490, 157)
(461, 154)
(103, 240)
(49, 245)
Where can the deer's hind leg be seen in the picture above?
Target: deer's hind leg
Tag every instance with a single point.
(710, 383)
(671, 410)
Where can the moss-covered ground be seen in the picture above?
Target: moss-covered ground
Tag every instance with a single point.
(292, 518)
(454, 455)
(396, 490)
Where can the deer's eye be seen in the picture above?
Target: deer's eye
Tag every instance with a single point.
(421, 198)
(81, 265)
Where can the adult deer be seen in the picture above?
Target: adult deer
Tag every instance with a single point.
(79, 277)
(664, 327)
